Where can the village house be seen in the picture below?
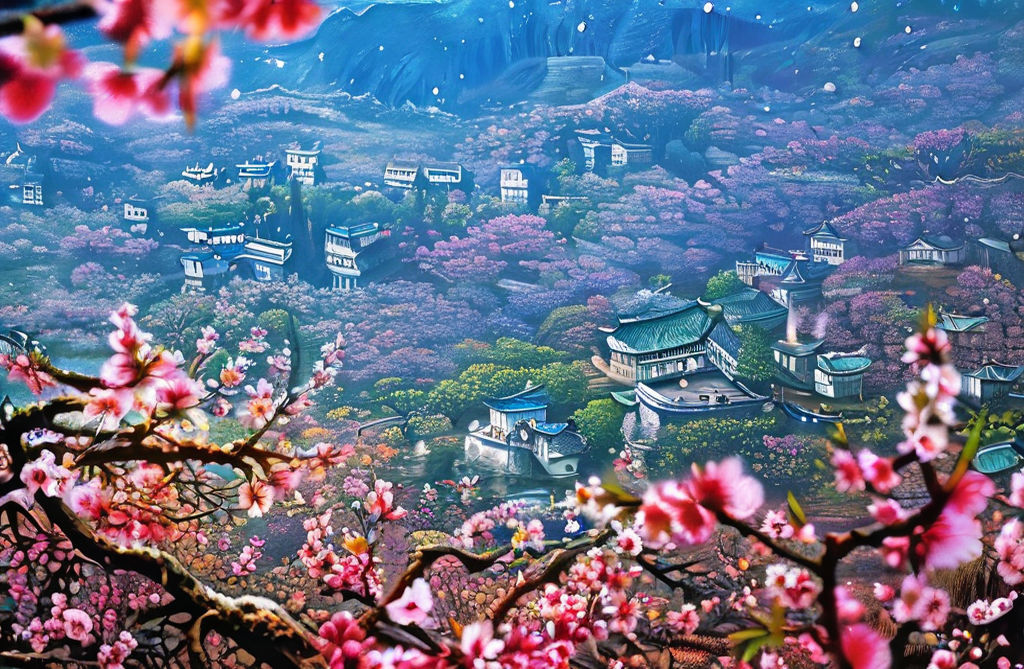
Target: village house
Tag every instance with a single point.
(521, 185)
(304, 165)
(353, 252)
(992, 381)
(407, 175)
(256, 173)
(933, 250)
(201, 176)
(767, 262)
(519, 439)
(796, 361)
(962, 330)
(204, 270)
(263, 260)
(549, 203)
(802, 366)
(825, 244)
(840, 376)
(23, 178)
(602, 150)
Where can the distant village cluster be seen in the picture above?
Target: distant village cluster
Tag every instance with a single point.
(676, 356)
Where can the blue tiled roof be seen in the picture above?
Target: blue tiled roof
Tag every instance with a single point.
(550, 429)
(530, 399)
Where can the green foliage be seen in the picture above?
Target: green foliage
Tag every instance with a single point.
(600, 422)
(422, 427)
(405, 400)
(756, 361)
(709, 439)
(659, 281)
(565, 217)
(509, 352)
(726, 282)
(566, 383)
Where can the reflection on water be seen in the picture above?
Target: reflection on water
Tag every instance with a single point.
(447, 462)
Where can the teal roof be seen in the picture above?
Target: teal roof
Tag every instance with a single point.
(998, 372)
(726, 339)
(749, 305)
(683, 326)
(843, 365)
(958, 323)
(531, 399)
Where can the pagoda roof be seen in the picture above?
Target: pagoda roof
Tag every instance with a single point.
(529, 399)
(824, 229)
(798, 348)
(958, 323)
(995, 371)
(838, 364)
(441, 165)
(748, 304)
(682, 326)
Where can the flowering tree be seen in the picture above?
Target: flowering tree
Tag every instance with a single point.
(39, 58)
(108, 484)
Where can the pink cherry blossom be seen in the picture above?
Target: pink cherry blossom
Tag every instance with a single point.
(118, 94)
(864, 648)
(256, 497)
(414, 606)
(848, 473)
(77, 625)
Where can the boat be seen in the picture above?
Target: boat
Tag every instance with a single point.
(998, 457)
(626, 398)
(799, 413)
(710, 402)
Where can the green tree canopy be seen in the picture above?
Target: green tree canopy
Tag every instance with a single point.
(724, 283)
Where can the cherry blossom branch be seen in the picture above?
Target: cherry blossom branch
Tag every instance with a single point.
(255, 623)
(56, 14)
(560, 561)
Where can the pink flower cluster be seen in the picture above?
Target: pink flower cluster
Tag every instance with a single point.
(685, 513)
(246, 562)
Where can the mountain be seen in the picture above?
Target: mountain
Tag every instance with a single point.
(464, 54)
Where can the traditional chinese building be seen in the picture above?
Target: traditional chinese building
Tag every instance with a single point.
(840, 376)
(520, 440)
(353, 252)
(444, 175)
(768, 262)
(750, 306)
(666, 341)
(992, 381)
(824, 244)
(304, 165)
(938, 250)
(800, 282)
(520, 184)
(256, 173)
